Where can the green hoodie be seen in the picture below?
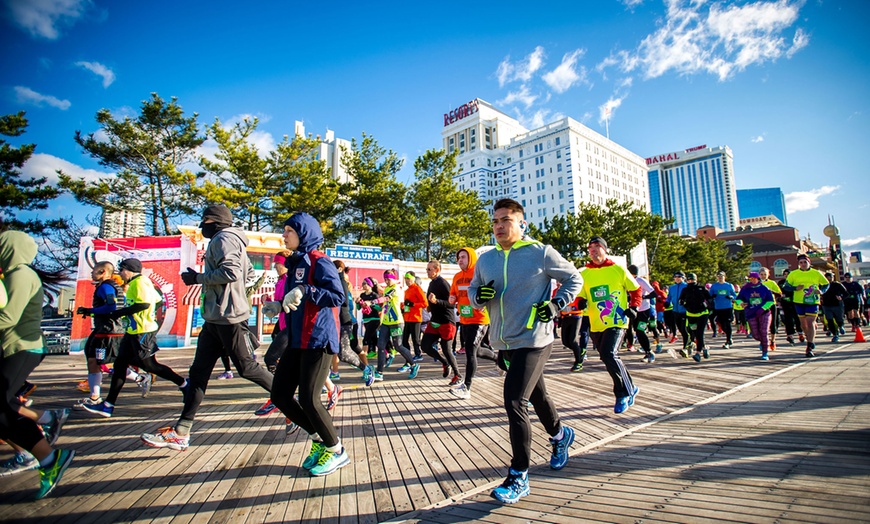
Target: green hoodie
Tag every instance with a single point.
(20, 320)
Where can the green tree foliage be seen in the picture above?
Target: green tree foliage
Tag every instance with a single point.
(620, 223)
(238, 177)
(705, 258)
(306, 184)
(441, 218)
(374, 199)
(17, 194)
(151, 154)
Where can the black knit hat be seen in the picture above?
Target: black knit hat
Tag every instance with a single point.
(220, 213)
(598, 240)
(131, 264)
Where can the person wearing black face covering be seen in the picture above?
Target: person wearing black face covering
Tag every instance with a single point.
(225, 310)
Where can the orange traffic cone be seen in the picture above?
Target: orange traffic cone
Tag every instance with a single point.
(859, 336)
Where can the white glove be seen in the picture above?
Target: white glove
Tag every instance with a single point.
(293, 298)
(271, 309)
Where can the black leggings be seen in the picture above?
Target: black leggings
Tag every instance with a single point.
(15, 428)
(428, 347)
(412, 333)
(680, 321)
(641, 323)
(575, 335)
(393, 334)
(472, 335)
(280, 339)
(305, 370)
(213, 341)
(724, 317)
(700, 323)
(134, 350)
(524, 384)
(607, 343)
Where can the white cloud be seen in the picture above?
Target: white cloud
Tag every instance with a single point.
(43, 165)
(539, 118)
(861, 243)
(806, 200)
(523, 95)
(522, 70)
(100, 70)
(757, 139)
(717, 38)
(41, 18)
(607, 109)
(631, 4)
(29, 96)
(567, 73)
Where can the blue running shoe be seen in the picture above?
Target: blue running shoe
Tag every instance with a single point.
(764, 356)
(414, 370)
(389, 361)
(560, 448)
(266, 409)
(404, 369)
(697, 357)
(102, 409)
(418, 358)
(623, 403)
(369, 375)
(334, 375)
(514, 487)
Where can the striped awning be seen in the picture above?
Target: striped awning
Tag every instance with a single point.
(192, 297)
(194, 294)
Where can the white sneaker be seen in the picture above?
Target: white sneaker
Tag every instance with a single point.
(461, 391)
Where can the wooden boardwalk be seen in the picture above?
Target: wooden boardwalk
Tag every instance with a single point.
(730, 439)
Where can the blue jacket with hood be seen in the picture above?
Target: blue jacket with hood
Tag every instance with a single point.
(313, 323)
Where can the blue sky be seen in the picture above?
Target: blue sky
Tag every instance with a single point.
(784, 83)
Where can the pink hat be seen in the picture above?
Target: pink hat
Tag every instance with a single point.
(280, 259)
(391, 274)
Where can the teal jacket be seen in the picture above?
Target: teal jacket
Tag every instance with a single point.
(523, 276)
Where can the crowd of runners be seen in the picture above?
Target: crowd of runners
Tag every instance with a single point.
(505, 306)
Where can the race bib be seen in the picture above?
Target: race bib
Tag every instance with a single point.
(396, 331)
(755, 301)
(641, 326)
(466, 311)
(600, 293)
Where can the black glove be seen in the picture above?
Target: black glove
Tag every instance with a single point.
(84, 311)
(631, 313)
(409, 303)
(582, 303)
(548, 309)
(189, 276)
(485, 293)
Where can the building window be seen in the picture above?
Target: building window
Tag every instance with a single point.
(558, 140)
(521, 153)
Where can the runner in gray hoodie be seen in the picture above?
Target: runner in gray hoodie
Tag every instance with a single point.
(514, 282)
(225, 310)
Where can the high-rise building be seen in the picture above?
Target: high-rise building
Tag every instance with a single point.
(549, 170)
(762, 202)
(695, 187)
(329, 151)
(123, 223)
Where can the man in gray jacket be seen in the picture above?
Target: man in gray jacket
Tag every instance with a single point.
(225, 309)
(514, 282)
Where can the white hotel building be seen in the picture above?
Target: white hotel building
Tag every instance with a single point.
(695, 187)
(549, 170)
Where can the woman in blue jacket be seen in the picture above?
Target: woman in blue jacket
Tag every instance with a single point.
(312, 289)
